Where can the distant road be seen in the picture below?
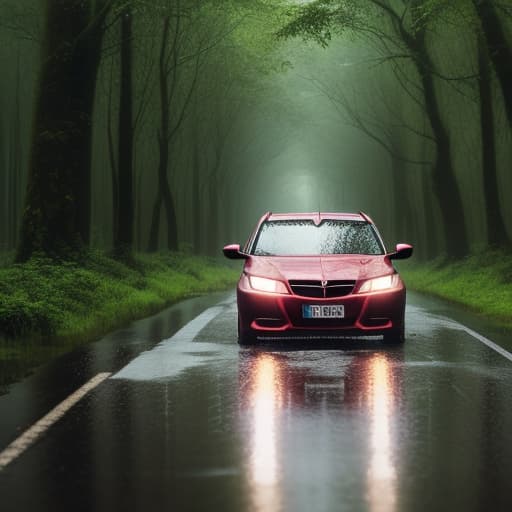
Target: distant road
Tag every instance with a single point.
(196, 423)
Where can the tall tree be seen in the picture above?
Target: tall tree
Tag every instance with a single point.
(401, 33)
(56, 218)
(168, 76)
(182, 53)
(496, 230)
(123, 242)
(14, 165)
(382, 122)
(500, 49)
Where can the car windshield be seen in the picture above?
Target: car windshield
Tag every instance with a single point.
(305, 238)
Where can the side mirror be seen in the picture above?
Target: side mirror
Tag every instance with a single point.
(402, 252)
(233, 252)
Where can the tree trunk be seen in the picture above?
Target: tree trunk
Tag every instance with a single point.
(15, 166)
(228, 234)
(450, 202)
(496, 230)
(431, 242)
(112, 161)
(445, 183)
(196, 201)
(123, 244)
(85, 72)
(164, 192)
(4, 187)
(138, 216)
(4, 195)
(13, 176)
(401, 211)
(155, 223)
(172, 225)
(213, 221)
(56, 216)
(500, 51)
(163, 196)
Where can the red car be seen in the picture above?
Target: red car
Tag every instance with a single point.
(318, 276)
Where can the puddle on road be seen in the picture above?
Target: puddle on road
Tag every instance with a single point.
(172, 357)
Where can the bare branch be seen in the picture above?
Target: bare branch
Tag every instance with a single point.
(356, 119)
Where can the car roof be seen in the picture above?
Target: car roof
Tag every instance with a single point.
(318, 217)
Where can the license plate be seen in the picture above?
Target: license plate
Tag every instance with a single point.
(320, 311)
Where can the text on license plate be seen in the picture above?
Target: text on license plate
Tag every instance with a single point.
(319, 311)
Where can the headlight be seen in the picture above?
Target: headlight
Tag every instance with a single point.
(262, 284)
(380, 283)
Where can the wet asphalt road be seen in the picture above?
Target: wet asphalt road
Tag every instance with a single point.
(197, 424)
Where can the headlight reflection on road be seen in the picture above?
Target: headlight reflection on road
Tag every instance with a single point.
(381, 476)
(265, 399)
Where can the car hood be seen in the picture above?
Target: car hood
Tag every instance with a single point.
(332, 267)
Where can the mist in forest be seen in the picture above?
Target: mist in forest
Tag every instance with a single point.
(130, 126)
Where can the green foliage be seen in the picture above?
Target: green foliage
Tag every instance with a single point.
(81, 299)
(427, 13)
(482, 282)
(318, 20)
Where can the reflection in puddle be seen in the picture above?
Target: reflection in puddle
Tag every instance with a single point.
(318, 421)
(381, 474)
(265, 398)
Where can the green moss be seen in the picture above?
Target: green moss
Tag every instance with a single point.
(42, 298)
(482, 282)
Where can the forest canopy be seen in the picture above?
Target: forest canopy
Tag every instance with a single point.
(142, 126)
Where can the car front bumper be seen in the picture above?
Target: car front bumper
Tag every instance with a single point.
(270, 316)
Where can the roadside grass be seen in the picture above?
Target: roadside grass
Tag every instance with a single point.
(47, 308)
(482, 282)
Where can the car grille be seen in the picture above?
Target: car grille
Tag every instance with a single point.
(331, 289)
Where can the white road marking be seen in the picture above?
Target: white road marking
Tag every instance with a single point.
(171, 356)
(30, 436)
(189, 331)
(487, 342)
(229, 301)
(425, 322)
